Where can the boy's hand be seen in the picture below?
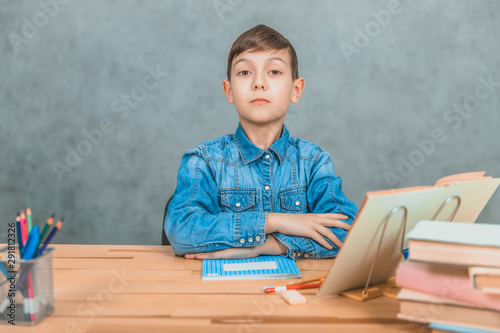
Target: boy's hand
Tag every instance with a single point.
(232, 253)
(271, 247)
(312, 226)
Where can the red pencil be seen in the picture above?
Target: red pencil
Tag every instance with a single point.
(298, 286)
(24, 227)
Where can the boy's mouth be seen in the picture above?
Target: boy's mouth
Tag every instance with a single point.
(259, 100)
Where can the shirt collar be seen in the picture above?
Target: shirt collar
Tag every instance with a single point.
(250, 152)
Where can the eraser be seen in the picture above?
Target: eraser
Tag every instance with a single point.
(293, 297)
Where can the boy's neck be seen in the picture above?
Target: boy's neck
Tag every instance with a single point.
(263, 136)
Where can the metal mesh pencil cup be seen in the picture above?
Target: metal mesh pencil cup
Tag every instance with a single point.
(26, 288)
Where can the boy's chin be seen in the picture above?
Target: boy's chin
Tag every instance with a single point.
(262, 121)
(262, 118)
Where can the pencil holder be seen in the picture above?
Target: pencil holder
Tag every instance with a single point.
(26, 288)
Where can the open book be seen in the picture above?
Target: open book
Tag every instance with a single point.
(473, 190)
(459, 198)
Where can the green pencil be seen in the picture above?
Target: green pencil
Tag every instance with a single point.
(28, 218)
(44, 231)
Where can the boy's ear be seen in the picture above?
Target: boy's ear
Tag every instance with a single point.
(298, 88)
(226, 86)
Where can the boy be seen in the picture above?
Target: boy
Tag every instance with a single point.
(259, 191)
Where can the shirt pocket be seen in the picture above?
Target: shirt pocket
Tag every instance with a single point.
(238, 200)
(293, 199)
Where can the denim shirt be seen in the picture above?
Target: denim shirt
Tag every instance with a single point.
(226, 187)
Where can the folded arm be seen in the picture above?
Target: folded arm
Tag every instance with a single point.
(195, 223)
(325, 200)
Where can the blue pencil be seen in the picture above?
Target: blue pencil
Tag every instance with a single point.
(4, 271)
(50, 236)
(19, 233)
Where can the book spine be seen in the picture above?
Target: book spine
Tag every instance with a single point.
(422, 277)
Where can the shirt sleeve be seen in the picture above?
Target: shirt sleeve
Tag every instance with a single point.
(194, 221)
(324, 195)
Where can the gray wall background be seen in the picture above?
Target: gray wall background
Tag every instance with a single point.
(65, 67)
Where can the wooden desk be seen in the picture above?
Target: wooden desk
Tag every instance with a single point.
(121, 289)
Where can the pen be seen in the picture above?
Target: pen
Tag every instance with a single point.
(29, 253)
(30, 221)
(50, 220)
(29, 248)
(298, 286)
(50, 236)
(295, 282)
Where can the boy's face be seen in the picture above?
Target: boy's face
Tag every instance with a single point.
(262, 87)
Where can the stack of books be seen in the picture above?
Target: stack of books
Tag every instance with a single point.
(452, 277)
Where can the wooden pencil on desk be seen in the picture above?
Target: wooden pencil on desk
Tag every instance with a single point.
(295, 287)
(296, 282)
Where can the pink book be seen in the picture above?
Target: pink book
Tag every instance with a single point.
(446, 281)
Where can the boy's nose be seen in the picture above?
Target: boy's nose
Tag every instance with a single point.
(259, 82)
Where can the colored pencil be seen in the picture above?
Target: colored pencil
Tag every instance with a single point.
(50, 220)
(24, 227)
(28, 218)
(4, 271)
(296, 282)
(31, 296)
(19, 233)
(298, 286)
(50, 236)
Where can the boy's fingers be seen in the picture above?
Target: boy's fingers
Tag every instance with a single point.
(332, 237)
(337, 224)
(322, 241)
(342, 225)
(335, 240)
(337, 216)
(198, 256)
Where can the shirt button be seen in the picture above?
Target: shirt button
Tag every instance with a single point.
(237, 204)
(298, 254)
(242, 240)
(250, 240)
(267, 187)
(267, 156)
(297, 203)
(306, 255)
(257, 238)
(293, 254)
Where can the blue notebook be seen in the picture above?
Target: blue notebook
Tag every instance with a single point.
(263, 267)
(459, 329)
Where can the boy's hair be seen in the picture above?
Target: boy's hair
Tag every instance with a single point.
(262, 38)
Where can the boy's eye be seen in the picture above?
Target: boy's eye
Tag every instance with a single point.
(244, 73)
(275, 72)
